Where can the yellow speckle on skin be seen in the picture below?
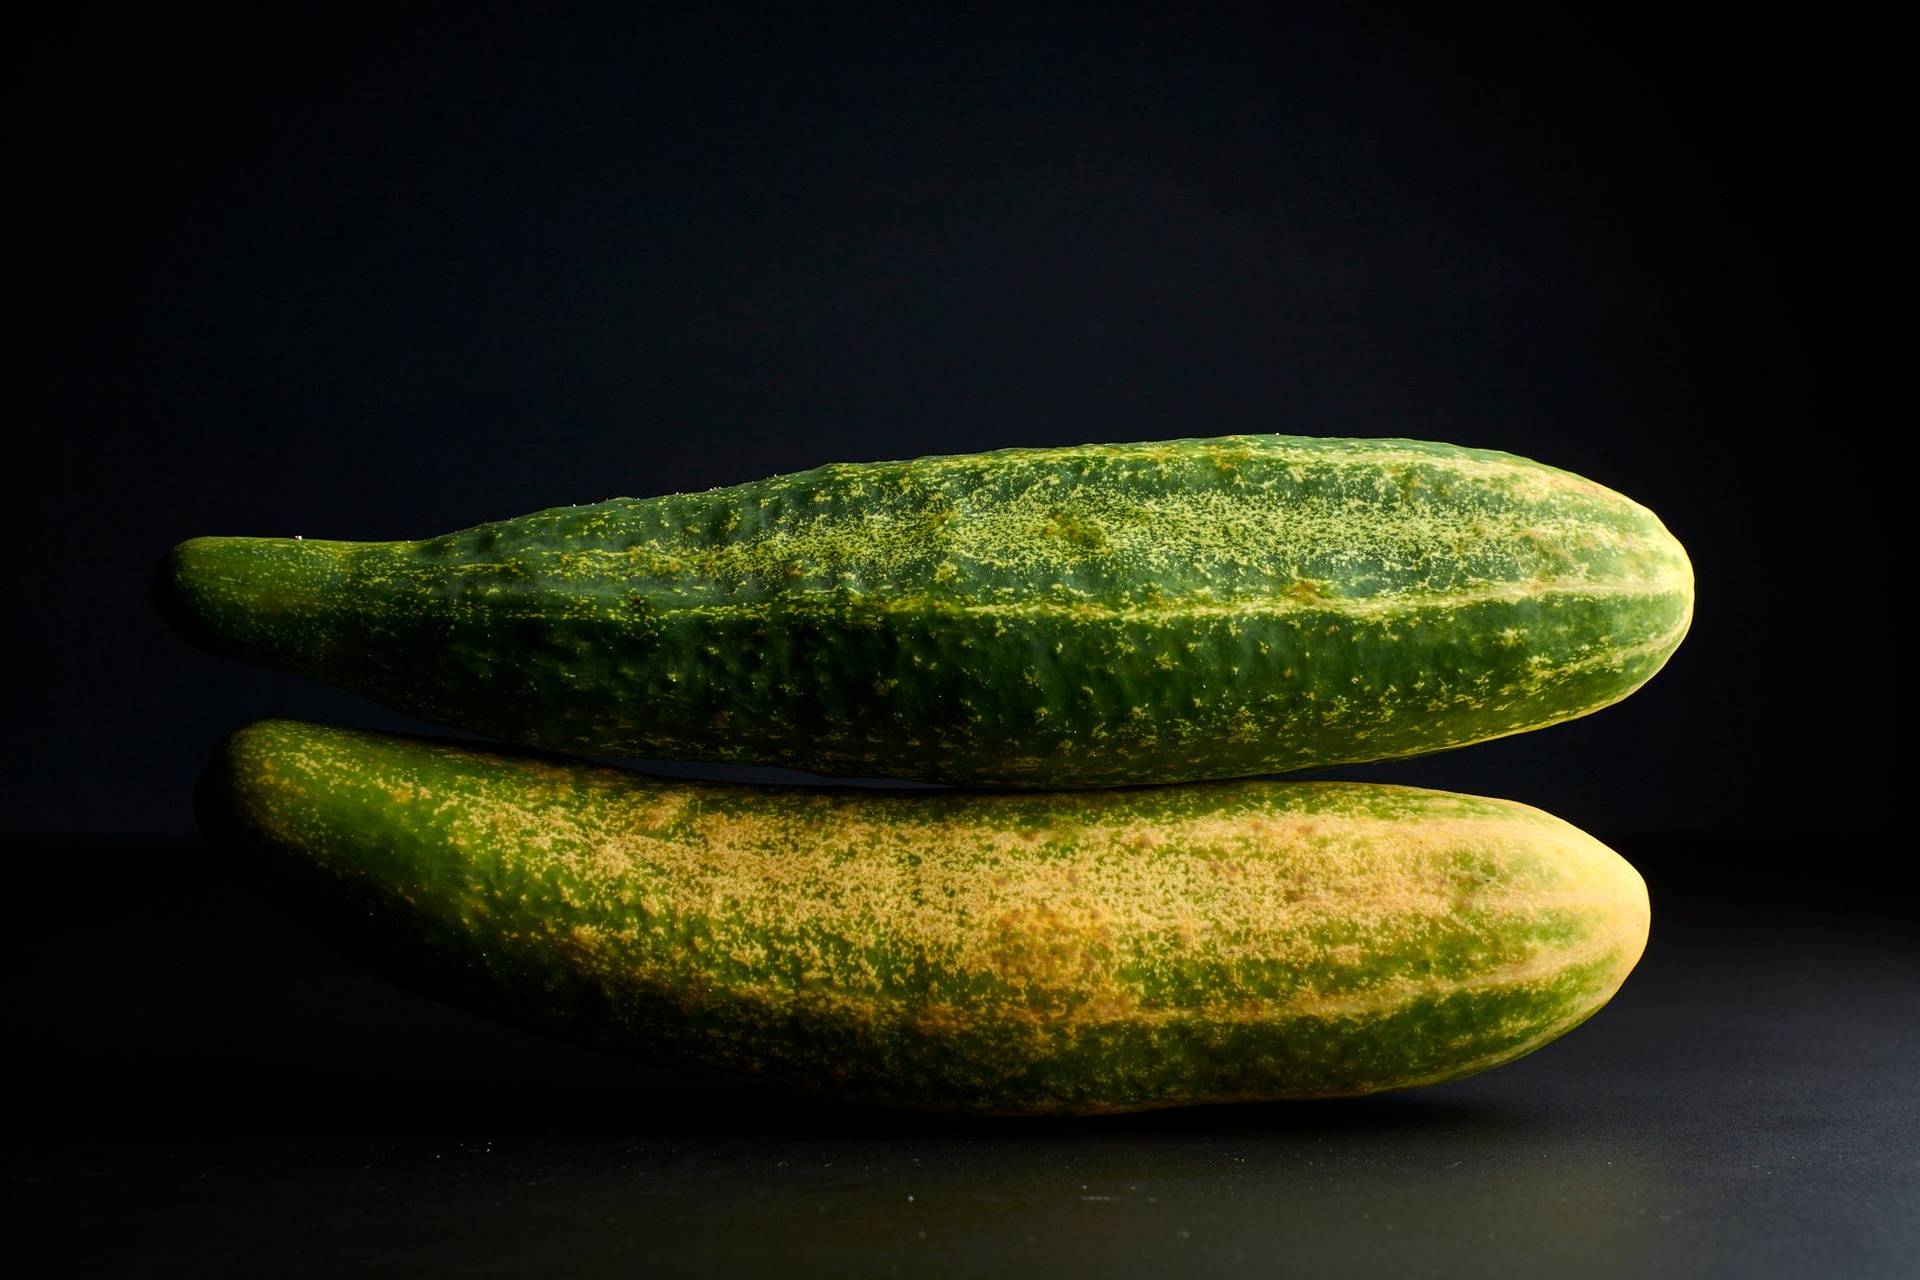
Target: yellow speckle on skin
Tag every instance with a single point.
(1126, 563)
(1019, 932)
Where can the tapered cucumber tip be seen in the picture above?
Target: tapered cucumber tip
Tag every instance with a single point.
(1632, 918)
(219, 796)
(262, 599)
(180, 587)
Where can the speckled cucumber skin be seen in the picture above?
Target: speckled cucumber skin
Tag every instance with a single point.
(1077, 617)
(1007, 952)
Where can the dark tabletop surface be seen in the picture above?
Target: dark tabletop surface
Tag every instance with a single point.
(206, 1085)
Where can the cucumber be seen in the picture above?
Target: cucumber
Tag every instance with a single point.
(1078, 617)
(1010, 952)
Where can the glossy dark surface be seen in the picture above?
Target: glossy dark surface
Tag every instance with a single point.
(207, 1086)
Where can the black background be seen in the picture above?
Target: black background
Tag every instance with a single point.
(392, 272)
(387, 271)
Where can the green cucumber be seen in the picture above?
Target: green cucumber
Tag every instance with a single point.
(1007, 952)
(1079, 617)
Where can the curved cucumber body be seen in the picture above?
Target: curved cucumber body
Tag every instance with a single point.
(1078, 617)
(1008, 952)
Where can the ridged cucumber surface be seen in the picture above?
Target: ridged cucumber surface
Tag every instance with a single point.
(996, 952)
(1076, 617)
